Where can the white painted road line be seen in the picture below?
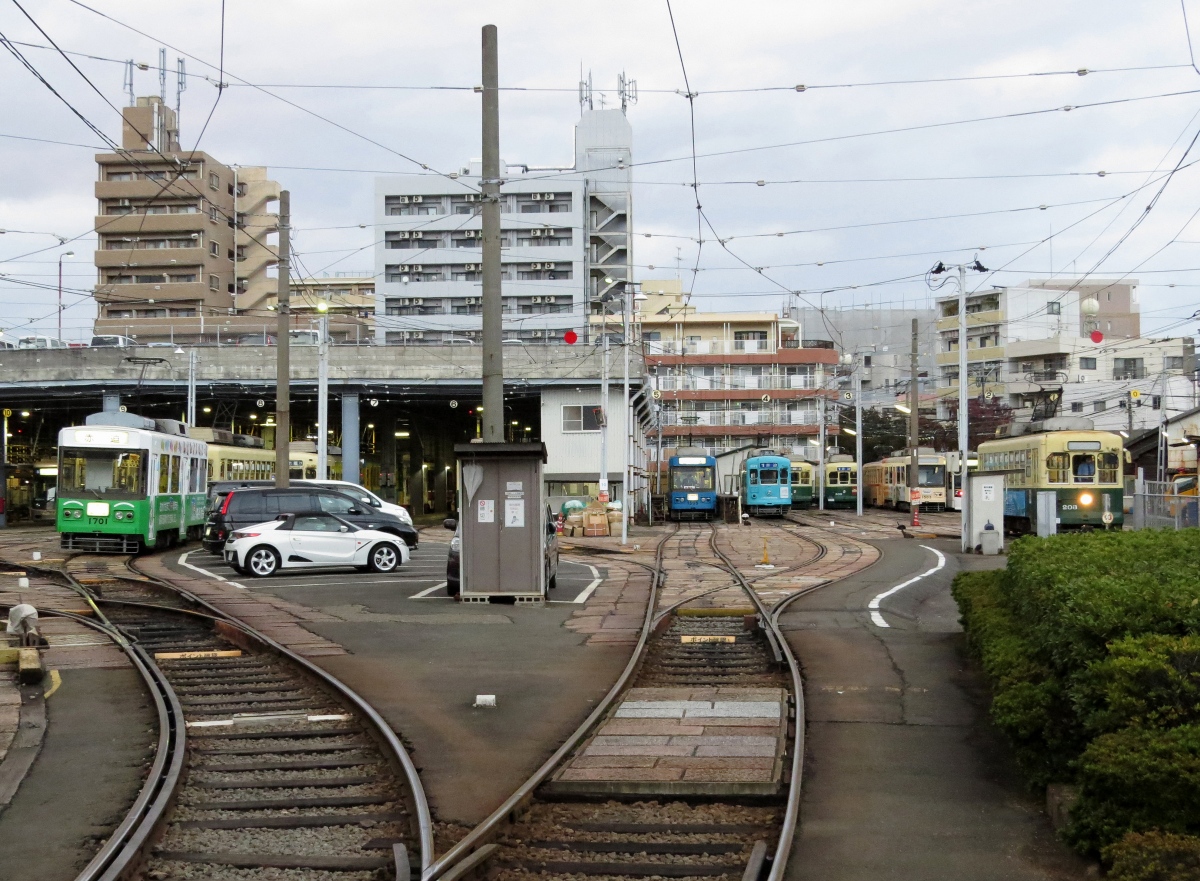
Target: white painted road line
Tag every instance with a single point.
(183, 562)
(425, 594)
(587, 591)
(876, 618)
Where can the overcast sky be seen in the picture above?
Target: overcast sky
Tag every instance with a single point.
(873, 178)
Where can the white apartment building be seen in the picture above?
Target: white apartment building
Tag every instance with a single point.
(565, 242)
(1032, 343)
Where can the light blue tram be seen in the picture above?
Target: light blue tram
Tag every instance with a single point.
(692, 486)
(765, 485)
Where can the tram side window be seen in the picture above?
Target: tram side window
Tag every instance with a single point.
(1110, 467)
(175, 487)
(1058, 465)
(754, 477)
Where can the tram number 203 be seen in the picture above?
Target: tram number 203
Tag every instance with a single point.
(1070, 507)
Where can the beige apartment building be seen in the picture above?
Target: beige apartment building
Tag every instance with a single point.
(184, 243)
(347, 300)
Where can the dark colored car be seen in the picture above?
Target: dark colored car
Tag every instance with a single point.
(235, 507)
(454, 558)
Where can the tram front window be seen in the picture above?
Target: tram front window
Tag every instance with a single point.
(692, 479)
(931, 475)
(1084, 468)
(96, 473)
(768, 476)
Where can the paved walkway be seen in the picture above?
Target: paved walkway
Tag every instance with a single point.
(905, 779)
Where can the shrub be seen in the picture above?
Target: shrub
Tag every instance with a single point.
(1134, 780)
(1146, 681)
(1154, 856)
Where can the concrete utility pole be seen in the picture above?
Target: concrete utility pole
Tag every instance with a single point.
(963, 413)
(602, 488)
(626, 418)
(914, 433)
(493, 332)
(858, 449)
(191, 400)
(821, 445)
(283, 367)
(323, 394)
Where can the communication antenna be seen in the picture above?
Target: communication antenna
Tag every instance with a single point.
(162, 74)
(585, 92)
(127, 84)
(180, 87)
(627, 89)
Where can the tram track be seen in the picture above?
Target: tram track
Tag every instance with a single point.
(265, 765)
(551, 828)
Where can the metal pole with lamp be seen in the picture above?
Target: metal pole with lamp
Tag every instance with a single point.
(61, 257)
(627, 417)
(858, 449)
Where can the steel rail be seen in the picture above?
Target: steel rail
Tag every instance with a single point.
(383, 729)
(792, 810)
(477, 837)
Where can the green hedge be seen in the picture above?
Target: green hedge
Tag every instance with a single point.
(1154, 856)
(1091, 643)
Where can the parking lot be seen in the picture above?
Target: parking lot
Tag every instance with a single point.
(422, 578)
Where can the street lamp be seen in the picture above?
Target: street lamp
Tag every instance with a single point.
(323, 391)
(963, 423)
(61, 257)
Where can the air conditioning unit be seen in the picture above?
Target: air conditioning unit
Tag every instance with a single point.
(472, 301)
(472, 197)
(418, 198)
(405, 302)
(547, 299)
(402, 235)
(124, 203)
(535, 299)
(537, 197)
(548, 197)
(470, 233)
(537, 233)
(535, 266)
(470, 267)
(403, 200)
(417, 301)
(537, 334)
(417, 234)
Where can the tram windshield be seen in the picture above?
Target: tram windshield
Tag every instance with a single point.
(692, 478)
(931, 475)
(769, 476)
(102, 473)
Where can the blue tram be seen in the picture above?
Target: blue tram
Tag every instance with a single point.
(692, 487)
(765, 485)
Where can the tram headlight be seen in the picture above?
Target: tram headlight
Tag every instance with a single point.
(1085, 498)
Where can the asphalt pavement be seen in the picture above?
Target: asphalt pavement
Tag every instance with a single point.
(421, 658)
(905, 778)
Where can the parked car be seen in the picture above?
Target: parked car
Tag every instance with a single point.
(310, 540)
(40, 342)
(454, 558)
(235, 507)
(256, 339)
(354, 490)
(112, 340)
(364, 495)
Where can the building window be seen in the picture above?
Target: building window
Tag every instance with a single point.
(214, 181)
(214, 283)
(1173, 362)
(214, 249)
(580, 417)
(120, 175)
(1087, 363)
(1156, 402)
(1098, 406)
(1077, 406)
(1054, 308)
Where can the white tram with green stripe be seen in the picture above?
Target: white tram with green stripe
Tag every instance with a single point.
(126, 483)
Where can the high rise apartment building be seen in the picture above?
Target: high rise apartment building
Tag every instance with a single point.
(183, 248)
(565, 243)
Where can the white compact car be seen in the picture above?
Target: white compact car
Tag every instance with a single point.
(312, 541)
(364, 495)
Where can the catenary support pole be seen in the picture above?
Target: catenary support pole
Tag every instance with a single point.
(283, 368)
(963, 415)
(191, 400)
(493, 334)
(858, 443)
(350, 436)
(914, 431)
(602, 489)
(626, 419)
(821, 446)
(323, 399)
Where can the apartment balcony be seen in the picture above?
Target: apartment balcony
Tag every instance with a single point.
(710, 347)
(155, 190)
(1129, 373)
(160, 259)
(717, 383)
(712, 418)
(986, 353)
(974, 319)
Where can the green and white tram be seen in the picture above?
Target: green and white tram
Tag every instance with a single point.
(126, 483)
(1083, 468)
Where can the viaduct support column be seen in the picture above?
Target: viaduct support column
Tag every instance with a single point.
(351, 432)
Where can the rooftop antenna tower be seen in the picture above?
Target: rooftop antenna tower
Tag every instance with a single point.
(627, 89)
(127, 83)
(585, 92)
(162, 74)
(180, 86)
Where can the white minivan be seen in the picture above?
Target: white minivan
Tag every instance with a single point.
(366, 496)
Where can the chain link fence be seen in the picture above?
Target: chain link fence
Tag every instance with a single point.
(1156, 506)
